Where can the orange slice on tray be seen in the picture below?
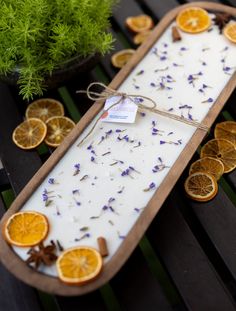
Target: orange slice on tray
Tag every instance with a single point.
(139, 38)
(226, 130)
(44, 109)
(201, 186)
(120, 58)
(30, 133)
(230, 32)
(79, 265)
(139, 23)
(223, 150)
(26, 228)
(57, 129)
(208, 165)
(193, 20)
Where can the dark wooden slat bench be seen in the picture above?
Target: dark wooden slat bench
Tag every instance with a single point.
(185, 261)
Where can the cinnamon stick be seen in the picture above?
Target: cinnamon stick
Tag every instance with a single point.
(102, 245)
(175, 34)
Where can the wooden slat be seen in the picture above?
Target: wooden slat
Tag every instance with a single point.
(231, 178)
(188, 266)
(15, 295)
(231, 2)
(124, 10)
(136, 288)
(20, 165)
(160, 8)
(214, 1)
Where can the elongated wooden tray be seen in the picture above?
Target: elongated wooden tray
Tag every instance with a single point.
(54, 285)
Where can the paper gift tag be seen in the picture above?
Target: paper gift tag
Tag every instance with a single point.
(124, 112)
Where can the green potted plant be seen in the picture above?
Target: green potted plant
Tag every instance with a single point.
(42, 39)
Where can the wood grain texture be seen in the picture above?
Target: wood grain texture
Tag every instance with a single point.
(53, 285)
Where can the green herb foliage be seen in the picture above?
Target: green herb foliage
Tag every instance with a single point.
(37, 36)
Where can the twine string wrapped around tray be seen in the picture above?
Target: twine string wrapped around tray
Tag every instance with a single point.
(136, 99)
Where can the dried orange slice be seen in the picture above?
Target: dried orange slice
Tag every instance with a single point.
(193, 20)
(30, 133)
(223, 150)
(208, 165)
(139, 23)
(120, 58)
(57, 129)
(201, 186)
(139, 38)
(230, 32)
(79, 265)
(44, 109)
(25, 229)
(226, 130)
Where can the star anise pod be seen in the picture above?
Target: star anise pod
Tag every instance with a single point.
(221, 19)
(43, 255)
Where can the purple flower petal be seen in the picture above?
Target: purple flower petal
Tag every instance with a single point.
(111, 200)
(77, 166)
(152, 185)
(51, 181)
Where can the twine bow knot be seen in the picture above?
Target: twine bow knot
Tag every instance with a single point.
(136, 99)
